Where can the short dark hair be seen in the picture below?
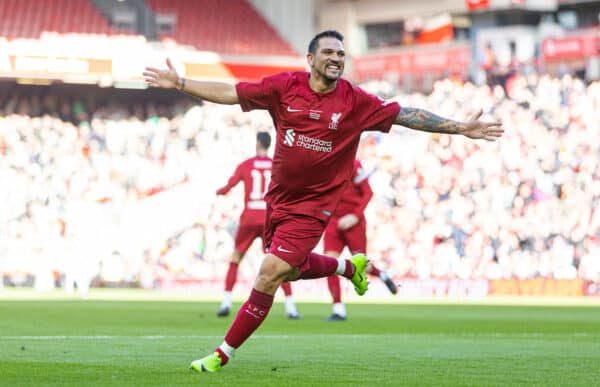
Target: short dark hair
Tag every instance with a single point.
(312, 46)
(264, 139)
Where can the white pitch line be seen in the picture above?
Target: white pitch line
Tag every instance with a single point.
(280, 337)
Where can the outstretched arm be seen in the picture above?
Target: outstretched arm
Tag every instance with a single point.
(233, 180)
(420, 119)
(217, 92)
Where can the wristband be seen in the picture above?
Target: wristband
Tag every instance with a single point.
(181, 84)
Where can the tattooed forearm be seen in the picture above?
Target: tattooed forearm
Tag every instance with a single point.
(426, 121)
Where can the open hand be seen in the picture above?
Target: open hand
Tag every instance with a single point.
(490, 131)
(167, 79)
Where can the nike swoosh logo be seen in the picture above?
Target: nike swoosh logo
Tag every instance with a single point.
(279, 248)
(289, 109)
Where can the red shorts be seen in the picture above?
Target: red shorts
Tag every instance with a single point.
(355, 237)
(291, 237)
(246, 234)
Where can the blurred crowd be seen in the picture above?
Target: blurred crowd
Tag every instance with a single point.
(523, 207)
(74, 174)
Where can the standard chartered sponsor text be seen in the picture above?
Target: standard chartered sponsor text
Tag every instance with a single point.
(315, 144)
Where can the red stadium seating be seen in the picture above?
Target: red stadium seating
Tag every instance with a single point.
(29, 18)
(223, 26)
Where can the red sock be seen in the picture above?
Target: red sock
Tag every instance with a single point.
(333, 282)
(319, 266)
(223, 356)
(374, 271)
(349, 272)
(287, 288)
(251, 315)
(231, 276)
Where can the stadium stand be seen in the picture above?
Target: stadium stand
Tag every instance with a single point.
(204, 25)
(29, 19)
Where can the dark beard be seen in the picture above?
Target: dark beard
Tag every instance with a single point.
(328, 78)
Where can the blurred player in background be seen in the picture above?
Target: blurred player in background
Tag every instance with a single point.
(255, 173)
(348, 227)
(319, 118)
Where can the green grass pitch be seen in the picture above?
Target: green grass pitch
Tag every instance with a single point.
(150, 343)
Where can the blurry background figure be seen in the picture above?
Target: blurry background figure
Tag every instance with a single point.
(348, 228)
(489, 64)
(255, 173)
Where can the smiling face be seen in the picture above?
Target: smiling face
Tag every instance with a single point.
(327, 63)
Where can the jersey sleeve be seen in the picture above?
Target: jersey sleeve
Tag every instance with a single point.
(261, 95)
(374, 113)
(233, 180)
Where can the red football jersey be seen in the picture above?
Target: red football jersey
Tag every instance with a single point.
(317, 138)
(256, 175)
(357, 195)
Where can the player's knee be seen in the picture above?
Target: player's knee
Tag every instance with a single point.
(332, 253)
(267, 283)
(292, 275)
(237, 257)
(272, 273)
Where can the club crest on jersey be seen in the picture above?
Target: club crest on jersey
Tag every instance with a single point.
(335, 119)
(290, 135)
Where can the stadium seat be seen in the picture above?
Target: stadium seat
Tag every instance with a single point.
(241, 30)
(30, 18)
